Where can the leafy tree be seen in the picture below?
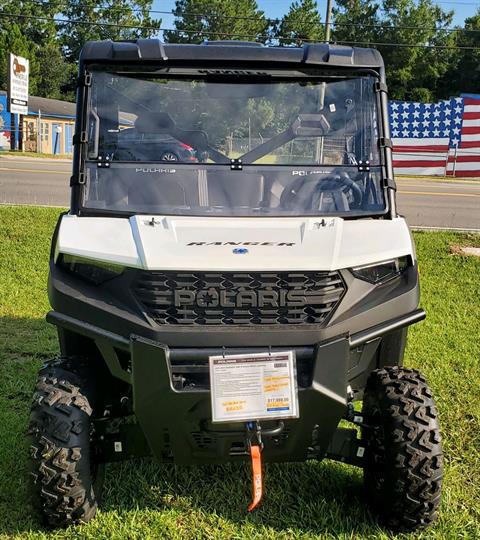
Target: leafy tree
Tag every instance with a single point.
(417, 55)
(55, 73)
(413, 72)
(27, 32)
(14, 41)
(356, 21)
(197, 20)
(465, 74)
(92, 20)
(302, 22)
(33, 18)
(122, 19)
(53, 48)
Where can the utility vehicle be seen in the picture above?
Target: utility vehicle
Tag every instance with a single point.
(236, 306)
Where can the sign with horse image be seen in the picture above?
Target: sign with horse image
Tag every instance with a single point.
(18, 84)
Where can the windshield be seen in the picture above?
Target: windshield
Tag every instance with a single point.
(236, 145)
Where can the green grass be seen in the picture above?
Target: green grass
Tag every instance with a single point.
(145, 500)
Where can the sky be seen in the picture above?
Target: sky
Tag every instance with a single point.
(277, 8)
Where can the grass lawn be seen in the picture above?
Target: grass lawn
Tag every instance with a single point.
(145, 500)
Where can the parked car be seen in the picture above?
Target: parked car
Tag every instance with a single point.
(133, 145)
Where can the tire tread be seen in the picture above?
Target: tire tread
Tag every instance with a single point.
(59, 429)
(404, 466)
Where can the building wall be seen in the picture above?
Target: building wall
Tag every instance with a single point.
(4, 124)
(55, 134)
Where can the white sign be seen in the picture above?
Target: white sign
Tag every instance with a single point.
(258, 386)
(18, 84)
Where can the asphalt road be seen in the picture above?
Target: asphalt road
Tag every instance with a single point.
(35, 181)
(426, 203)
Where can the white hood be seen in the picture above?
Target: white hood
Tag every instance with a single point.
(212, 243)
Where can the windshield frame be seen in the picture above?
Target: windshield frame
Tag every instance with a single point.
(307, 74)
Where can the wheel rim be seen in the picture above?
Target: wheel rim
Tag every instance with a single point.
(169, 156)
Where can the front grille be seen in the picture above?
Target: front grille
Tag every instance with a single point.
(244, 298)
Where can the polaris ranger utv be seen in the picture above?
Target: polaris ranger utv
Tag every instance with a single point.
(233, 302)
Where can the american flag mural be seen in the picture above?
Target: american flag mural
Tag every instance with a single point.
(436, 138)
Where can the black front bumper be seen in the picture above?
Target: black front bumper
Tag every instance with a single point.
(176, 421)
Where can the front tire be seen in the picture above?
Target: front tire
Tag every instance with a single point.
(65, 476)
(404, 461)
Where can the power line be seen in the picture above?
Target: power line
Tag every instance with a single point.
(277, 20)
(404, 45)
(457, 3)
(76, 21)
(230, 35)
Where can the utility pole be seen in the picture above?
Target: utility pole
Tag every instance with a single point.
(320, 141)
(327, 21)
(39, 132)
(323, 86)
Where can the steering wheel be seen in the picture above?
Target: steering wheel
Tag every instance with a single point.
(305, 192)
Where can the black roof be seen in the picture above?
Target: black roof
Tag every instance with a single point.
(153, 50)
(49, 107)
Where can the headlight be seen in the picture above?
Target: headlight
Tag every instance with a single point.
(95, 272)
(383, 271)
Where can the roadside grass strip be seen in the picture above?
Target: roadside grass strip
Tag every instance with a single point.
(144, 500)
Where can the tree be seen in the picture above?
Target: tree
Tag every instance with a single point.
(14, 41)
(465, 75)
(55, 74)
(27, 30)
(92, 20)
(34, 19)
(414, 72)
(416, 50)
(356, 21)
(197, 20)
(301, 23)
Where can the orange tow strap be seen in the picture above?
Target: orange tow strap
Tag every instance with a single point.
(257, 479)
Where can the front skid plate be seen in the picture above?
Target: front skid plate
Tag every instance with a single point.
(177, 424)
